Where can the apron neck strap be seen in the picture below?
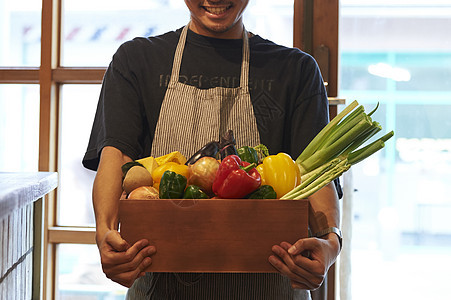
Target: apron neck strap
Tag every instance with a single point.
(244, 77)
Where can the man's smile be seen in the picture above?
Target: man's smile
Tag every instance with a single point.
(217, 10)
(217, 18)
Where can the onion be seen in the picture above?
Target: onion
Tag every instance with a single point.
(144, 193)
(203, 173)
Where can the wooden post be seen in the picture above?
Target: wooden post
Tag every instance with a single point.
(315, 29)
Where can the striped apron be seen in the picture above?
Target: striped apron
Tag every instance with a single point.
(189, 118)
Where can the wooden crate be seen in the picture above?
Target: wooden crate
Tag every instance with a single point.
(213, 235)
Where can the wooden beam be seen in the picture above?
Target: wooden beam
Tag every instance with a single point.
(72, 235)
(64, 75)
(50, 23)
(48, 127)
(303, 25)
(325, 33)
(59, 75)
(315, 31)
(18, 75)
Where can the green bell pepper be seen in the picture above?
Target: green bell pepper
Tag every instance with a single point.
(263, 192)
(194, 192)
(172, 185)
(248, 154)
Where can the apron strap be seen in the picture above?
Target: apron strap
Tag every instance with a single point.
(176, 65)
(178, 57)
(244, 80)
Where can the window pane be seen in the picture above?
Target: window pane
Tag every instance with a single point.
(20, 33)
(80, 275)
(398, 53)
(91, 33)
(78, 107)
(19, 128)
(272, 20)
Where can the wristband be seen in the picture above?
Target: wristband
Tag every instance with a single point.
(335, 230)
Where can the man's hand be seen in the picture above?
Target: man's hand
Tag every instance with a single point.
(306, 262)
(121, 262)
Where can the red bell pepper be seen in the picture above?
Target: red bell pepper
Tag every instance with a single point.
(235, 178)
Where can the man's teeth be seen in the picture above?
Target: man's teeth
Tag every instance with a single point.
(216, 10)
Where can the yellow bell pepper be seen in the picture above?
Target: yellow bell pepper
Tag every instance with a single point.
(261, 172)
(171, 166)
(281, 172)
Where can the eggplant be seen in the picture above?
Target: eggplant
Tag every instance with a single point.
(227, 144)
(210, 149)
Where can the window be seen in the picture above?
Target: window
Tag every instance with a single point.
(398, 53)
(19, 123)
(20, 32)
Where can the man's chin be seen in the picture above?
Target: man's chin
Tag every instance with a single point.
(220, 30)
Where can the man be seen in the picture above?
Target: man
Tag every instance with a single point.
(222, 77)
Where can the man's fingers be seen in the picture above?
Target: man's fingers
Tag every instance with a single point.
(308, 244)
(306, 255)
(299, 286)
(139, 262)
(287, 266)
(300, 279)
(127, 278)
(128, 272)
(131, 258)
(115, 241)
(299, 268)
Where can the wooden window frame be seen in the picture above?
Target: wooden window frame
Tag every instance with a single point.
(315, 31)
(317, 27)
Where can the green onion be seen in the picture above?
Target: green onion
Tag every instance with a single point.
(336, 148)
(361, 154)
(345, 140)
(302, 192)
(314, 144)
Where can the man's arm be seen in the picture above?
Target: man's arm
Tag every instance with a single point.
(307, 261)
(107, 191)
(121, 262)
(324, 212)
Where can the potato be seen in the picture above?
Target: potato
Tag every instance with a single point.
(144, 193)
(136, 177)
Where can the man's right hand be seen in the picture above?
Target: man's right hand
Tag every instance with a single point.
(121, 262)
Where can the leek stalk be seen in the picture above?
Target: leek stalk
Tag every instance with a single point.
(336, 148)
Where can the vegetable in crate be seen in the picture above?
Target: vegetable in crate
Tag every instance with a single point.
(227, 145)
(194, 192)
(248, 154)
(171, 166)
(280, 172)
(144, 193)
(135, 177)
(263, 192)
(172, 185)
(210, 149)
(127, 166)
(336, 148)
(174, 156)
(150, 163)
(203, 172)
(235, 178)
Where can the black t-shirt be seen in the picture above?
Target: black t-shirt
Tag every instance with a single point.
(286, 87)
